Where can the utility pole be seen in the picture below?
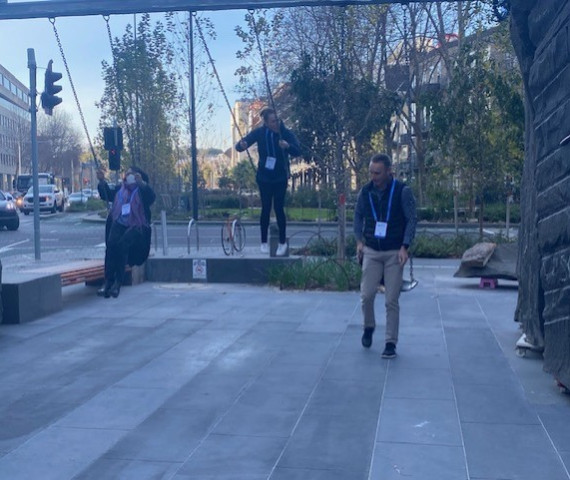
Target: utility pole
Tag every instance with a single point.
(34, 132)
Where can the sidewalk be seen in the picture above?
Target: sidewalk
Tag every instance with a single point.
(211, 382)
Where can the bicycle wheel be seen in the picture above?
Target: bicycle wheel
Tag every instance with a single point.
(239, 236)
(226, 239)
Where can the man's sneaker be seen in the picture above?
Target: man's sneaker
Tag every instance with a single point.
(281, 250)
(389, 351)
(264, 248)
(367, 337)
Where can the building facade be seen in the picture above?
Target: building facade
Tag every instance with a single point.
(14, 128)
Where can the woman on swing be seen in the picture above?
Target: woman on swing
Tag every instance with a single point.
(127, 232)
(274, 143)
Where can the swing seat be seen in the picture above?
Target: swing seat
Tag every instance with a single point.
(408, 285)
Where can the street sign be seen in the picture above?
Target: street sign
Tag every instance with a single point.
(199, 269)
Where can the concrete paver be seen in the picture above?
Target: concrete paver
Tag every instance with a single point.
(218, 381)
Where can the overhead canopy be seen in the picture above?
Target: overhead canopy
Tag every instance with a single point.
(75, 8)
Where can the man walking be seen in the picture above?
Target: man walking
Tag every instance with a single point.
(384, 226)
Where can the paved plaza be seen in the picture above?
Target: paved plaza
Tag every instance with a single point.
(235, 382)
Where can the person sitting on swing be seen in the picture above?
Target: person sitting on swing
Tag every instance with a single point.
(274, 143)
(384, 226)
(127, 231)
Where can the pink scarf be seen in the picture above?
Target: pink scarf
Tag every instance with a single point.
(129, 194)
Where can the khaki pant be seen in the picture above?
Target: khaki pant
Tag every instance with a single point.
(378, 264)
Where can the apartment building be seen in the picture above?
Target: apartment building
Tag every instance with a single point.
(14, 128)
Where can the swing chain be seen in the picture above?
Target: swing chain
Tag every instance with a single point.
(220, 85)
(262, 57)
(119, 89)
(52, 21)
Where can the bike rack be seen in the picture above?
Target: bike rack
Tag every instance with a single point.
(193, 223)
(234, 223)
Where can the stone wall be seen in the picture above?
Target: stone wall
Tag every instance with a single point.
(540, 30)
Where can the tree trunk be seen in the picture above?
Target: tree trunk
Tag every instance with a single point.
(341, 201)
(481, 210)
(420, 153)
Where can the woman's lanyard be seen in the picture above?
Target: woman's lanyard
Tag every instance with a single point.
(381, 227)
(271, 158)
(126, 207)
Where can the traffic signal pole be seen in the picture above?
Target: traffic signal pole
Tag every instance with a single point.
(34, 130)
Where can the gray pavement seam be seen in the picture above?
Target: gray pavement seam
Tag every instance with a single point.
(311, 395)
(378, 422)
(463, 448)
(219, 420)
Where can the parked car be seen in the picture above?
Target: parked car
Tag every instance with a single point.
(77, 198)
(8, 214)
(90, 192)
(18, 200)
(50, 198)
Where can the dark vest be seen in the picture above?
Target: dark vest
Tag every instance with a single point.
(397, 223)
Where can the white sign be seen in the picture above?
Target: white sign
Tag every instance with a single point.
(199, 271)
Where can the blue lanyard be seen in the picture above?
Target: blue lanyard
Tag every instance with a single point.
(270, 142)
(389, 203)
(130, 197)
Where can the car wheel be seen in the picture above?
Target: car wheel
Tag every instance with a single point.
(54, 208)
(13, 225)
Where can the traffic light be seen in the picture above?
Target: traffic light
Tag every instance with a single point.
(113, 138)
(49, 98)
(114, 159)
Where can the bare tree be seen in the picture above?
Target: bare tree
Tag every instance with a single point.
(59, 144)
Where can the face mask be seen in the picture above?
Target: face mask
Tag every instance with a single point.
(130, 179)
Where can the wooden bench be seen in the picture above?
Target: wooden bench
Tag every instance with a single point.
(90, 272)
(82, 271)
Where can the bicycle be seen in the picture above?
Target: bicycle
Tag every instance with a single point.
(233, 235)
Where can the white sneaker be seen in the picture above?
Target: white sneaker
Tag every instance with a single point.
(281, 250)
(264, 248)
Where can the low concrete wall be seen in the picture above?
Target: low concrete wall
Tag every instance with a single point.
(213, 270)
(32, 295)
(26, 296)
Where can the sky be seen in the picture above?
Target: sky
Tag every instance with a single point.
(86, 45)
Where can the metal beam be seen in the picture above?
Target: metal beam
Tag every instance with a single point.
(78, 8)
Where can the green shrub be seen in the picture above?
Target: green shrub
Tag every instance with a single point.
(497, 213)
(322, 274)
(426, 245)
(439, 246)
(309, 197)
(326, 247)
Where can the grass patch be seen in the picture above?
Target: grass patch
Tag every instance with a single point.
(294, 214)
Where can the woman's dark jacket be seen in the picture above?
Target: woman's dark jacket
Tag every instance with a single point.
(268, 145)
(139, 253)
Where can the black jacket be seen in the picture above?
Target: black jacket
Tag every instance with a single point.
(139, 252)
(369, 198)
(268, 146)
